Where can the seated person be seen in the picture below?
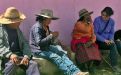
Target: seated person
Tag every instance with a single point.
(104, 30)
(117, 35)
(42, 42)
(14, 49)
(83, 39)
(117, 38)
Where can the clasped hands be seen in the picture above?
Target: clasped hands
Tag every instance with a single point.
(15, 59)
(109, 42)
(55, 34)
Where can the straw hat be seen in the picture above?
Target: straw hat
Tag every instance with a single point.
(47, 13)
(11, 15)
(84, 12)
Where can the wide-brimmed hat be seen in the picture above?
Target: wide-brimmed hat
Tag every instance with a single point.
(11, 15)
(84, 12)
(47, 13)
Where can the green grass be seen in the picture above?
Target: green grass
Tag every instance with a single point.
(104, 69)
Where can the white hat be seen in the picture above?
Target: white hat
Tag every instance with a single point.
(47, 13)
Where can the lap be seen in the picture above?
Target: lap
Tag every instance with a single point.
(10, 63)
(104, 46)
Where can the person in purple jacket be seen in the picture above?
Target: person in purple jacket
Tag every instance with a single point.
(44, 44)
(104, 30)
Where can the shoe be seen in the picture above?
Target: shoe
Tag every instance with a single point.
(116, 69)
(82, 73)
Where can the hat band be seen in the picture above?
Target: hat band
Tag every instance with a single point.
(83, 13)
(12, 18)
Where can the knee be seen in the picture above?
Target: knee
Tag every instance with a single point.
(9, 64)
(118, 42)
(33, 63)
(113, 45)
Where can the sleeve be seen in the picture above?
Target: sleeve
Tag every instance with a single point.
(111, 33)
(96, 28)
(4, 45)
(39, 39)
(25, 45)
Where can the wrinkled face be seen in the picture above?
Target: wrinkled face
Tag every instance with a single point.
(47, 21)
(14, 25)
(105, 16)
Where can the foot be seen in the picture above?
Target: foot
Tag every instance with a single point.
(83, 73)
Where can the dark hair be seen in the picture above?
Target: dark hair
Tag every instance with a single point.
(81, 18)
(108, 10)
(40, 18)
(117, 35)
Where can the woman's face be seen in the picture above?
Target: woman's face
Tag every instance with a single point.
(87, 18)
(47, 21)
(105, 16)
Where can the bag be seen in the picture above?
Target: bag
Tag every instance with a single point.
(85, 54)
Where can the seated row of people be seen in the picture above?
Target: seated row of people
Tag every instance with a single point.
(15, 51)
(86, 37)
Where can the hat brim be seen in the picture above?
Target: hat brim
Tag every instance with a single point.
(86, 14)
(4, 20)
(53, 18)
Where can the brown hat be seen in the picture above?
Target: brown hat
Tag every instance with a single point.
(84, 12)
(11, 15)
(47, 13)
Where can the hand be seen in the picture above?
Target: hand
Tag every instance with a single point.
(14, 58)
(55, 34)
(25, 61)
(108, 42)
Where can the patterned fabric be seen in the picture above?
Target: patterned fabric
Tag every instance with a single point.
(38, 38)
(81, 35)
(59, 58)
(75, 42)
(42, 46)
(84, 54)
(12, 68)
(4, 44)
(81, 30)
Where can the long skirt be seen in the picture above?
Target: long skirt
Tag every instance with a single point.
(85, 54)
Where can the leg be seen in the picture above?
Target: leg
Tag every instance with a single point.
(118, 44)
(113, 53)
(62, 62)
(10, 68)
(64, 59)
(70, 65)
(57, 49)
(33, 68)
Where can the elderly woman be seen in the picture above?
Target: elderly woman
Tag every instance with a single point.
(83, 40)
(42, 42)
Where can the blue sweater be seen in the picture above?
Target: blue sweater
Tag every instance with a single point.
(99, 25)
